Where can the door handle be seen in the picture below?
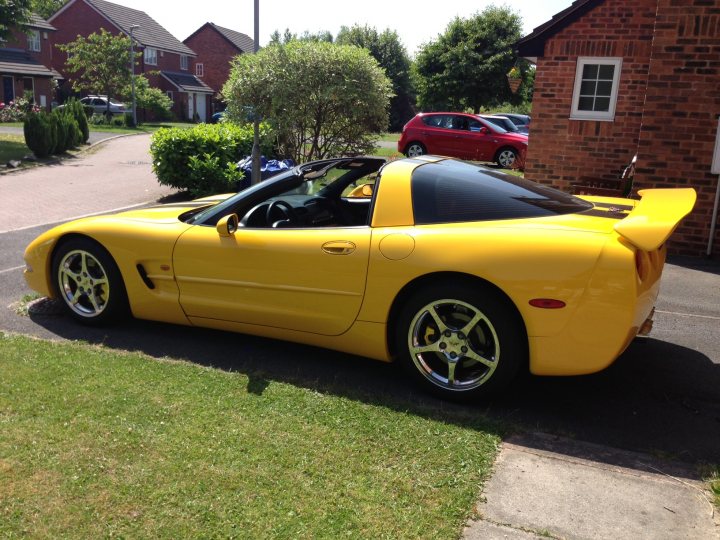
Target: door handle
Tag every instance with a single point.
(338, 247)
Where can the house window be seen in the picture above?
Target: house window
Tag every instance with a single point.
(199, 70)
(183, 62)
(596, 88)
(170, 95)
(150, 56)
(33, 40)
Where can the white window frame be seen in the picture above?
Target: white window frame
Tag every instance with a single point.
(183, 62)
(199, 70)
(170, 95)
(33, 40)
(604, 116)
(150, 56)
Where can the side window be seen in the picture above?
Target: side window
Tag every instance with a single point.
(474, 125)
(460, 122)
(596, 88)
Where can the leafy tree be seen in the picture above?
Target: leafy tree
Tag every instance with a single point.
(147, 97)
(465, 68)
(13, 13)
(321, 99)
(392, 56)
(99, 63)
(45, 8)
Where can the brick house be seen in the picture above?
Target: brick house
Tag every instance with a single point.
(167, 63)
(216, 47)
(25, 63)
(615, 79)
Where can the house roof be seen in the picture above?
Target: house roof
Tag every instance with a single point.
(240, 41)
(186, 82)
(533, 45)
(20, 62)
(149, 32)
(38, 22)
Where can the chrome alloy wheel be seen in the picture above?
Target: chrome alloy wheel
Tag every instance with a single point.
(506, 158)
(453, 345)
(415, 150)
(84, 284)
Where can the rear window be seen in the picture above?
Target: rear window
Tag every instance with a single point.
(453, 191)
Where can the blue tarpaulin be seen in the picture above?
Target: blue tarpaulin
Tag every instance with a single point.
(268, 168)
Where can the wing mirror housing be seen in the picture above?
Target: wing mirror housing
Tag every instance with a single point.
(228, 225)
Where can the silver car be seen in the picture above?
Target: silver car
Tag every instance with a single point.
(100, 105)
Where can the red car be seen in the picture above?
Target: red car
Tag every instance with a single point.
(461, 135)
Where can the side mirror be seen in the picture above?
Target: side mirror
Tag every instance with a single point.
(227, 225)
(484, 130)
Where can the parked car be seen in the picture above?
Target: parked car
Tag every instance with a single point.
(521, 121)
(461, 135)
(501, 121)
(99, 105)
(463, 274)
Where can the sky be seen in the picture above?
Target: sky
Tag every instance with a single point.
(416, 22)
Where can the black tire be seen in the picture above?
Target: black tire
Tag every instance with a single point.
(506, 156)
(485, 360)
(415, 149)
(88, 282)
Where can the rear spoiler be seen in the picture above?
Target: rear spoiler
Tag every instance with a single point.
(655, 217)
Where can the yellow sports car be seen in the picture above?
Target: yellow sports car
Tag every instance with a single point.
(463, 274)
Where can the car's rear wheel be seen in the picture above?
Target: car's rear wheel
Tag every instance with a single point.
(415, 149)
(461, 342)
(88, 282)
(506, 157)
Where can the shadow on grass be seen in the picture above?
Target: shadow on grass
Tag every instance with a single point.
(658, 398)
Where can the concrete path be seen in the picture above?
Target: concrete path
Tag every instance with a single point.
(549, 487)
(117, 174)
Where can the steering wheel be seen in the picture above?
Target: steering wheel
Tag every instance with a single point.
(283, 208)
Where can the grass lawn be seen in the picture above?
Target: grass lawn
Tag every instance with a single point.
(142, 128)
(98, 443)
(12, 147)
(390, 137)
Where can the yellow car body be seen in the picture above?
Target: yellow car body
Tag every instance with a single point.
(583, 283)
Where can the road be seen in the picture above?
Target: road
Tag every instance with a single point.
(662, 396)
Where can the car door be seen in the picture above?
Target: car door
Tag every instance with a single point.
(439, 137)
(311, 280)
(464, 144)
(484, 141)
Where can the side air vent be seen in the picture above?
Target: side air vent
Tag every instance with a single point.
(144, 276)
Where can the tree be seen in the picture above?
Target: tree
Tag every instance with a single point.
(321, 99)
(45, 8)
(100, 63)
(466, 67)
(148, 97)
(13, 13)
(392, 56)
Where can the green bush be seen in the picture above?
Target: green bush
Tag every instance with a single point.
(67, 129)
(75, 108)
(60, 127)
(201, 159)
(39, 134)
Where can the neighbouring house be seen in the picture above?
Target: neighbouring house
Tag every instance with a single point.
(25, 63)
(616, 79)
(168, 63)
(216, 47)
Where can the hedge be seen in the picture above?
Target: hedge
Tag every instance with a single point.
(201, 160)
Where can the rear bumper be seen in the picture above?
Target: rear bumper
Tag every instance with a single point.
(614, 309)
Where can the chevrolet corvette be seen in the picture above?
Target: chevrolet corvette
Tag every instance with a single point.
(464, 275)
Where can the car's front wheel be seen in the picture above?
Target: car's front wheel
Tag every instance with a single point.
(461, 341)
(415, 149)
(88, 282)
(506, 157)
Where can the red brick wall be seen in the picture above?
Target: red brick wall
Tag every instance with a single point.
(18, 40)
(677, 136)
(215, 53)
(561, 150)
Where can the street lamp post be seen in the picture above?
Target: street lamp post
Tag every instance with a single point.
(132, 72)
(255, 178)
